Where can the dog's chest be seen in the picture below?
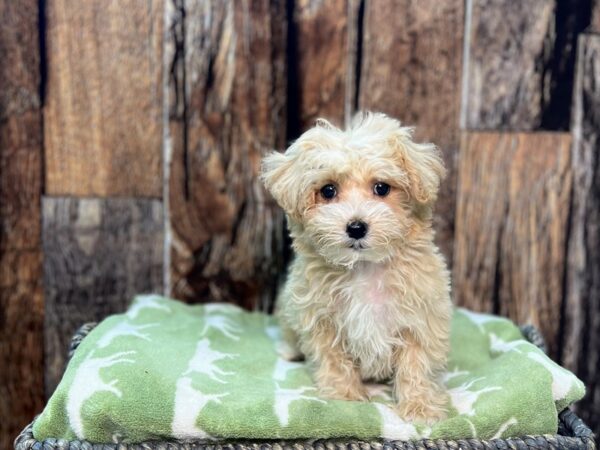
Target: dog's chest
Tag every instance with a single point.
(369, 319)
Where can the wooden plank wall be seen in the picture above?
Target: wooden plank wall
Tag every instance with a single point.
(227, 106)
(156, 113)
(21, 299)
(412, 64)
(581, 341)
(512, 212)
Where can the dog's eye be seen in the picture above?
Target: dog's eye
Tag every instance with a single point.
(381, 189)
(328, 191)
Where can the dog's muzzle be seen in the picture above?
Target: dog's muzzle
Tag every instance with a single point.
(357, 229)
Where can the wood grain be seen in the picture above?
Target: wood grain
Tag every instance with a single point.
(581, 352)
(411, 69)
(21, 299)
(322, 64)
(103, 111)
(227, 107)
(595, 22)
(511, 226)
(509, 45)
(98, 253)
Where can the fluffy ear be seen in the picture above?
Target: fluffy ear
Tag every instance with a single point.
(424, 165)
(280, 180)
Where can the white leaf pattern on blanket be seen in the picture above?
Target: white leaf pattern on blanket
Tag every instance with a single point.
(453, 374)
(282, 367)
(393, 427)
(125, 329)
(464, 400)
(151, 301)
(480, 319)
(222, 308)
(189, 402)
(87, 382)
(562, 380)
(498, 345)
(274, 332)
(284, 397)
(204, 361)
(222, 324)
(504, 427)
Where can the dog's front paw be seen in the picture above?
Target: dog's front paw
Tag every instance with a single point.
(288, 352)
(349, 392)
(430, 410)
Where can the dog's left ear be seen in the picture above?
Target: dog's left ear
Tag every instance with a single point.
(423, 164)
(280, 180)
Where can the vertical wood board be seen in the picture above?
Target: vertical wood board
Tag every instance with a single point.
(511, 226)
(581, 346)
(411, 69)
(227, 105)
(103, 112)
(21, 299)
(98, 253)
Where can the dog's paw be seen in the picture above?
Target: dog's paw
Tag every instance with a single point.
(353, 393)
(289, 353)
(429, 411)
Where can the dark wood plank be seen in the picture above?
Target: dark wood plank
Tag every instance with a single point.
(509, 46)
(322, 64)
(98, 253)
(103, 112)
(227, 107)
(21, 299)
(411, 69)
(581, 352)
(511, 227)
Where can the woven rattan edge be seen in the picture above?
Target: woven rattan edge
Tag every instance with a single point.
(576, 434)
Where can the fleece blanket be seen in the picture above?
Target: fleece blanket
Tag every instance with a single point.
(167, 370)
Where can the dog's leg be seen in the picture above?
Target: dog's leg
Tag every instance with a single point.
(288, 347)
(419, 364)
(336, 375)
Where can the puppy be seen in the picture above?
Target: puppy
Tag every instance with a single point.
(367, 295)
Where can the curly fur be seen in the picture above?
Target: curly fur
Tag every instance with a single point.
(378, 308)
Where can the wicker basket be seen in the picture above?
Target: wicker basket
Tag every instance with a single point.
(572, 434)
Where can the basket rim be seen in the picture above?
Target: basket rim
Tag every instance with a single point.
(576, 435)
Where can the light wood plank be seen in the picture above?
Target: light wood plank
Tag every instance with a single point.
(411, 69)
(103, 112)
(511, 226)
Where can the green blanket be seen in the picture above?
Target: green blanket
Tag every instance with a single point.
(168, 370)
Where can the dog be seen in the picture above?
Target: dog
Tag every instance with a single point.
(367, 296)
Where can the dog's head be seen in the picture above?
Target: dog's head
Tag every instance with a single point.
(355, 195)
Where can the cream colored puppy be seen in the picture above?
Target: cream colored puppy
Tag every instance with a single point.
(367, 295)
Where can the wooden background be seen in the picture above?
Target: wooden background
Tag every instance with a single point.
(131, 133)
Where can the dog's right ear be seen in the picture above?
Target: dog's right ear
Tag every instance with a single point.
(280, 180)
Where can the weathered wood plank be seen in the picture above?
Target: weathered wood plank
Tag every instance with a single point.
(21, 299)
(322, 61)
(595, 23)
(103, 112)
(511, 226)
(227, 106)
(581, 352)
(98, 253)
(509, 45)
(411, 69)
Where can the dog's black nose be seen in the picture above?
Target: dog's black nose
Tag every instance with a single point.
(356, 229)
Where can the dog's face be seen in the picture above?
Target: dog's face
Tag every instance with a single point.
(355, 195)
